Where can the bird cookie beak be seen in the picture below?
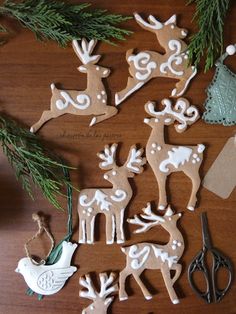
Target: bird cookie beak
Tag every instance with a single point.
(17, 270)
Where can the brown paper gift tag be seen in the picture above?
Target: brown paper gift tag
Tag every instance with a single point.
(221, 177)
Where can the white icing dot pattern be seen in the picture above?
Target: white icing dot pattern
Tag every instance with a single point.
(155, 147)
(175, 244)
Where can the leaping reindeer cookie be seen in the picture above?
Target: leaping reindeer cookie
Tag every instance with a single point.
(111, 202)
(167, 158)
(91, 101)
(143, 256)
(101, 299)
(146, 65)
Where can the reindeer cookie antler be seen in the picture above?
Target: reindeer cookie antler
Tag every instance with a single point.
(167, 158)
(91, 101)
(111, 202)
(101, 299)
(143, 256)
(146, 65)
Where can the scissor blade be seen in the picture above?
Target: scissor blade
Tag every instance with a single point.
(205, 231)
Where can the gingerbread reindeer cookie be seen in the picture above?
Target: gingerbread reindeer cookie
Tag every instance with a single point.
(111, 202)
(101, 299)
(167, 158)
(91, 101)
(146, 65)
(146, 255)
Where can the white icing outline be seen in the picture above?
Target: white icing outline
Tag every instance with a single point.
(92, 223)
(131, 91)
(85, 50)
(187, 82)
(108, 156)
(182, 113)
(83, 240)
(134, 158)
(122, 212)
(155, 23)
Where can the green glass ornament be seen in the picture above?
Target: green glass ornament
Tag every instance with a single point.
(221, 101)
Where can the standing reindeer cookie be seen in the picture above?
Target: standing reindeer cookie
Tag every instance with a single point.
(146, 255)
(91, 101)
(111, 202)
(150, 64)
(166, 158)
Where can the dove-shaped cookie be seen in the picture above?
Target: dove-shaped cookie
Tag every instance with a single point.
(48, 279)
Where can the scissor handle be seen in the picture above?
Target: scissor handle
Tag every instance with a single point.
(220, 261)
(198, 264)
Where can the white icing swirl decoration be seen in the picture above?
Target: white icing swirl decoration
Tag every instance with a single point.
(143, 64)
(83, 101)
(175, 58)
(135, 254)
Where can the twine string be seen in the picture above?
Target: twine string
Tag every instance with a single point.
(55, 253)
(41, 229)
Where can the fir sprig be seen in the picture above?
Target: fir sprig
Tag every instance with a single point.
(31, 162)
(63, 22)
(208, 41)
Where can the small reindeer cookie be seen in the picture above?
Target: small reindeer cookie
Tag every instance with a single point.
(91, 101)
(111, 202)
(150, 64)
(167, 158)
(146, 255)
(101, 299)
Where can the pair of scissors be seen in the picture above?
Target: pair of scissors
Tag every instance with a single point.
(212, 293)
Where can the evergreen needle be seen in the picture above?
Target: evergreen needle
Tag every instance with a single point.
(32, 162)
(208, 41)
(63, 22)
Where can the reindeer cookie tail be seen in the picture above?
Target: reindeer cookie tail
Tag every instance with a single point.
(124, 249)
(201, 148)
(128, 54)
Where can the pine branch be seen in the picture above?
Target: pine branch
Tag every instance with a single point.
(208, 41)
(31, 162)
(63, 22)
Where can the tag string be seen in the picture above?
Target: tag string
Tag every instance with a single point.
(223, 57)
(41, 229)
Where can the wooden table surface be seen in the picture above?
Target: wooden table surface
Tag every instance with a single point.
(27, 69)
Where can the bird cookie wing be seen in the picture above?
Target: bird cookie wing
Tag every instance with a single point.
(55, 279)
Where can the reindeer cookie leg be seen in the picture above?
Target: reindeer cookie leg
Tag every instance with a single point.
(122, 279)
(145, 291)
(46, 116)
(120, 238)
(82, 230)
(111, 111)
(169, 283)
(90, 229)
(196, 181)
(110, 228)
(162, 191)
(178, 269)
(182, 85)
(132, 86)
